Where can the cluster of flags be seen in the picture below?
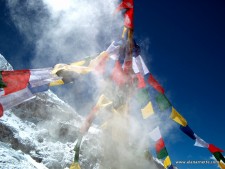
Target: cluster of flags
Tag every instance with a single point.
(160, 148)
(153, 99)
(128, 5)
(18, 86)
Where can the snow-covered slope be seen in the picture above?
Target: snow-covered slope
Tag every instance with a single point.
(41, 134)
(16, 159)
(4, 65)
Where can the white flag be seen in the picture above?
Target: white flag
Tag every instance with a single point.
(139, 65)
(155, 134)
(16, 98)
(200, 143)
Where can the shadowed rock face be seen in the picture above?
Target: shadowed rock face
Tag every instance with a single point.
(41, 134)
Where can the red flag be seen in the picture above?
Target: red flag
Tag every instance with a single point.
(214, 149)
(159, 145)
(129, 14)
(141, 81)
(1, 110)
(118, 75)
(155, 84)
(15, 80)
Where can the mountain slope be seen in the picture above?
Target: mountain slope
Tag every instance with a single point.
(43, 128)
(41, 132)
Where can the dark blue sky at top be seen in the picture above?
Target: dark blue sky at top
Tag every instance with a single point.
(186, 53)
(13, 45)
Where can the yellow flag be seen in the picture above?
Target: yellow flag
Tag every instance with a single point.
(167, 162)
(222, 165)
(178, 118)
(79, 63)
(147, 111)
(124, 32)
(103, 102)
(56, 83)
(62, 66)
(71, 67)
(78, 69)
(75, 166)
(58, 67)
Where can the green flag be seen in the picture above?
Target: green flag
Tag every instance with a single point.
(77, 149)
(162, 154)
(219, 156)
(162, 102)
(2, 84)
(142, 96)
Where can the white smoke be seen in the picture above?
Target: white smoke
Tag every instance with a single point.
(68, 30)
(65, 30)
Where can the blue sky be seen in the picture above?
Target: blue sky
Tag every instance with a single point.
(186, 53)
